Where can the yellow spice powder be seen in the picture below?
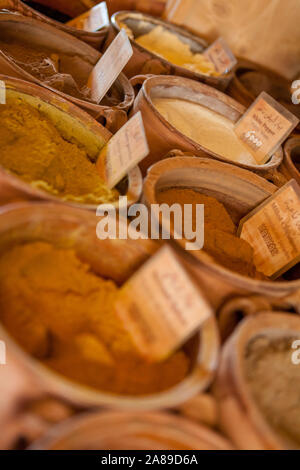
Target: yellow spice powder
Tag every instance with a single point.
(33, 149)
(168, 45)
(62, 313)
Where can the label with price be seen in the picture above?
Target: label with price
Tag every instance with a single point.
(161, 307)
(264, 127)
(220, 54)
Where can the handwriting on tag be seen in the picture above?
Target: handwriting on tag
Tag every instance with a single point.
(221, 56)
(2, 92)
(124, 151)
(93, 20)
(161, 307)
(109, 67)
(264, 127)
(273, 231)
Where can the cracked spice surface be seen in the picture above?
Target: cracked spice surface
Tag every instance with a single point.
(63, 314)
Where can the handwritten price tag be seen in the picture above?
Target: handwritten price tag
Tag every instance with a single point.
(221, 56)
(124, 151)
(109, 67)
(264, 127)
(93, 20)
(273, 231)
(161, 307)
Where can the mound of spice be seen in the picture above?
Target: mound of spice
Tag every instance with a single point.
(62, 313)
(33, 149)
(53, 68)
(220, 240)
(274, 382)
(168, 45)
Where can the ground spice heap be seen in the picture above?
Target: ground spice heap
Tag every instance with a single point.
(169, 46)
(275, 384)
(220, 240)
(33, 149)
(62, 313)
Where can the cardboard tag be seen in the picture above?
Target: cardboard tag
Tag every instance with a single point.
(109, 67)
(124, 151)
(2, 92)
(220, 54)
(273, 231)
(161, 307)
(93, 20)
(264, 127)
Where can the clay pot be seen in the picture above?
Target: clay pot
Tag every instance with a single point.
(96, 39)
(82, 58)
(71, 8)
(240, 417)
(240, 191)
(146, 62)
(251, 79)
(153, 7)
(113, 259)
(291, 162)
(130, 431)
(73, 121)
(163, 137)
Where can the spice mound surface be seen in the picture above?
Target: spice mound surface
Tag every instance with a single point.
(53, 68)
(220, 240)
(33, 149)
(62, 313)
(204, 126)
(275, 384)
(169, 46)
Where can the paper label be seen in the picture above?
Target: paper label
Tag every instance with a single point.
(93, 20)
(264, 127)
(109, 67)
(125, 150)
(273, 231)
(2, 92)
(161, 307)
(220, 54)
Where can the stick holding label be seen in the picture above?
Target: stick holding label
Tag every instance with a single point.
(92, 20)
(264, 126)
(161, 307)
(220, 54)
(124, 151)
(2, 92)
(109, 67)
(273, 231)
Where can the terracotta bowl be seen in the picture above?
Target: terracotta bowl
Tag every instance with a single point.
(113, 259)
(240, 191)
(71, 8)
(240, 417)
(112, 110)
(131, 431)
(73, 121)
(291, 162)
(144, 61)
(95, 39)
(163, 137)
